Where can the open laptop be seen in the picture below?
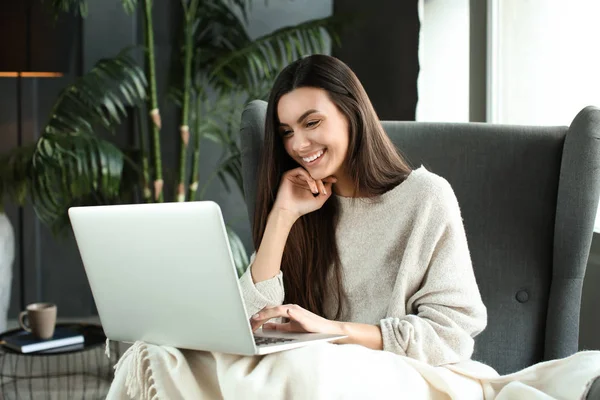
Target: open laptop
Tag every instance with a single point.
(164, 274)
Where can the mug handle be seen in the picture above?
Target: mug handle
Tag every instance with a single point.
(22, 317)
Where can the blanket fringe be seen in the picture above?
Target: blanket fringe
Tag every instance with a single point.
(140, 379)
(107, 348)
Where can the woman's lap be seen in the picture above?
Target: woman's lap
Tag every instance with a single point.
(319, 371)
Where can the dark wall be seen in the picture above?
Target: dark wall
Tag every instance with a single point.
(51, 267)
(381, 47)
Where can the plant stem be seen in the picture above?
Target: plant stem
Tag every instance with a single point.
(153, 103)
(195, 177)
(146, 192)
(184, 129)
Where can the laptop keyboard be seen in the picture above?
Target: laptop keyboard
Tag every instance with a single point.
(261, 341)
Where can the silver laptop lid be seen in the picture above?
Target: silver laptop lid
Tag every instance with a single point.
(163, 273)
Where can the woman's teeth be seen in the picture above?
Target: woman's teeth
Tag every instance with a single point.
(313, 158)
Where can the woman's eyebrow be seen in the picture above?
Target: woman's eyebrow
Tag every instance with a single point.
(306, 114)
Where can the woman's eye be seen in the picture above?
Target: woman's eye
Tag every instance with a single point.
(286, 133)
(312, 124)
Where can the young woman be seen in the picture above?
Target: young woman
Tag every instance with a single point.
(349, 240)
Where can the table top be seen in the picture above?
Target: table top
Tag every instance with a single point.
(93, 336)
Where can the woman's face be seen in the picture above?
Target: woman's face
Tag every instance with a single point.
(314, 132)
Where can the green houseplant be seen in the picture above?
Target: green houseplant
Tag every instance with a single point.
(220, 68)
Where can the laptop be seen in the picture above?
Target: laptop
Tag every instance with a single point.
(163, 273)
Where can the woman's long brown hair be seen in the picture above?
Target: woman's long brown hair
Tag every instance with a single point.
(310, 264)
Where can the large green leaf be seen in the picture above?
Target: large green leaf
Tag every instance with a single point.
(100, 97)
(69, 170)
(238, 251)
(258, 60)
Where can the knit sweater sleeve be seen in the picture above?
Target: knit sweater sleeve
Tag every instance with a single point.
(446, 311)
(266, 293)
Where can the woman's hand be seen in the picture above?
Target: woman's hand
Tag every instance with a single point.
(303, 321)
(300, 194)
(300, 321)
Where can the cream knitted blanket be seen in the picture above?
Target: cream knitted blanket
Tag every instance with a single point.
(328, 371)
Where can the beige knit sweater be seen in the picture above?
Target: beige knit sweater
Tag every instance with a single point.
(406, 267)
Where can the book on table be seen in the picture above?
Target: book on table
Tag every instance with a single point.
(25, 342)
(63, 349)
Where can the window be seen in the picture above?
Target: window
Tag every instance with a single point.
(443, 83)
(545, 63)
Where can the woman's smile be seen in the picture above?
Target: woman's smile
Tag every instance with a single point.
(314, 159)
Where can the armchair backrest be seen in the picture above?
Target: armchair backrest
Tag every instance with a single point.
(528, 196)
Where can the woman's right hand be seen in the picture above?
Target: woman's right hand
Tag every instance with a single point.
(300, 194)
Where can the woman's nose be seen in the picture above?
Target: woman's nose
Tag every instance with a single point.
(301, 142)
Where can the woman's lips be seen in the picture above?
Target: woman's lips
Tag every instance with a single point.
(315, 161)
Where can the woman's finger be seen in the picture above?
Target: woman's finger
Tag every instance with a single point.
(303, 180)
(299, 172)
(304, 184)
(322, 189)
(271, 312)
(313, 185)
(303, 174)
(255, 324)
(286, 327)
(268, 313)
(294, 314)
(277, 312)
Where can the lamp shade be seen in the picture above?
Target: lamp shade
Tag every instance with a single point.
(32, 40)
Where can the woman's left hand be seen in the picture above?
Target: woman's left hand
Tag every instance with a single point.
(300, 320)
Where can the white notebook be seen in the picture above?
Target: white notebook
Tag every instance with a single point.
(25, 342)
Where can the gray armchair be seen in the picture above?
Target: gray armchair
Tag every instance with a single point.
(528, 196)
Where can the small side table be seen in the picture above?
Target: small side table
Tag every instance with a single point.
(83, 373)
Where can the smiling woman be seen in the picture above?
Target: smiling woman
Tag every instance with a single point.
(320, 126)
